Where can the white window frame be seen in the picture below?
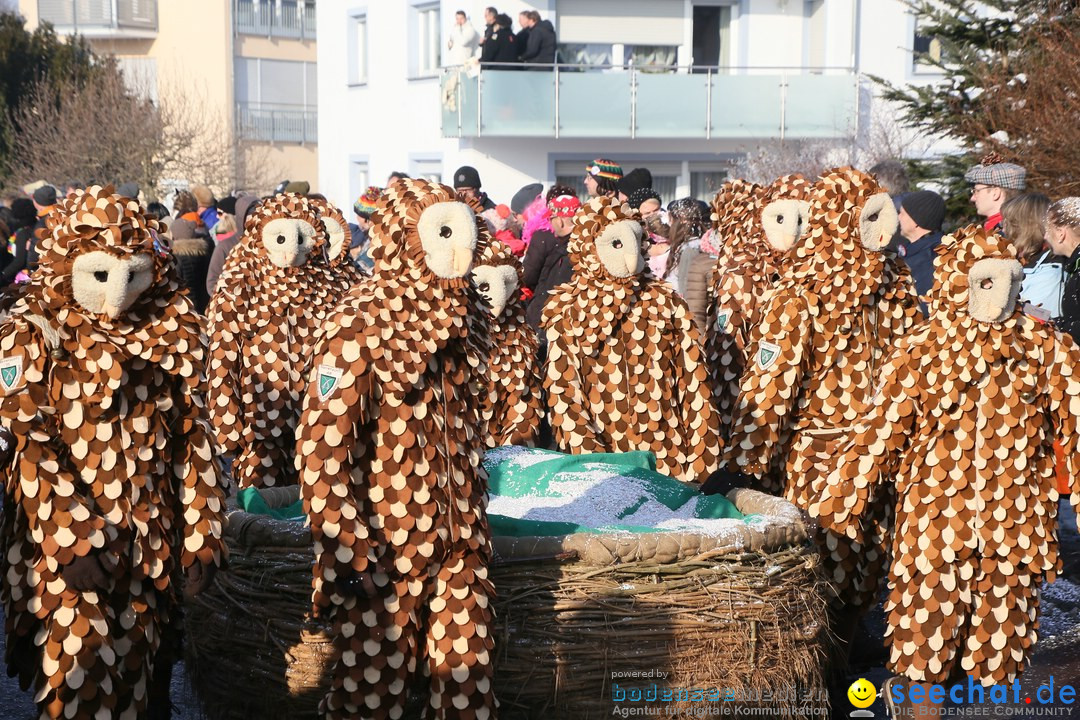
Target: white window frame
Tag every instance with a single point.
(420, 165)
(357, 44)
(918, 67)
(360, 169)
(427, 35)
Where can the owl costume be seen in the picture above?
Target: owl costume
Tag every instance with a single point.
(963, 424)
(837, 310)
(111, 490)
(624, 368)
(747, 269)
(389, 449)
(275, 290)
(338, 241)
(515, 376)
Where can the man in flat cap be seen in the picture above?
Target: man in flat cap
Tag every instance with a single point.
(993, 182)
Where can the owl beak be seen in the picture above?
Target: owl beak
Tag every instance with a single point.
(111, 310)
(497, 308)
(462, 261)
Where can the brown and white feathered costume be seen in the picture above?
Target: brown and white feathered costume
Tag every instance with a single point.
(389, 449)
(112, 489)
(733, 211)
(515, 372)
(275, 291)
(338, 240)
(963, 425)
(624, 365)
(746, 271)
(838, 309)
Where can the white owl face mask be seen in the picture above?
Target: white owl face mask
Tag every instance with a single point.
(784, 222)
(448, 235)
(336, 236)
(993, 287)
(497, 285)
(878, 222)
(619, 248)
(288, 242)
(104, 284)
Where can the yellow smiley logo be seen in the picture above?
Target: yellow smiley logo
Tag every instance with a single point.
(862, 693)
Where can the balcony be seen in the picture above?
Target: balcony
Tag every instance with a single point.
(293, 19)
(277, 123)
(117, 19)
(574, 101)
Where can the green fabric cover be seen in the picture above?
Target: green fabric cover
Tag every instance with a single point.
(251, 501)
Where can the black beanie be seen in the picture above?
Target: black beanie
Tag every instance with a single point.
(466, 176)
(636, 179)
(926, 208)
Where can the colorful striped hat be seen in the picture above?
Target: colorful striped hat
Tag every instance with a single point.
(365, 204)
(603, 168)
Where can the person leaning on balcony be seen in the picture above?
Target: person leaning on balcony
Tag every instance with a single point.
(521, 38)
(539, 49)
(547, 262)
(602, 177)
(994, 181)
(463, 40)
(500, 47)
(490, 15)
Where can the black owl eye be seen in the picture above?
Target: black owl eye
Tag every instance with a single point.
(484, 287)
(445, 231)
(280, 239)
(131, 276)
(780, 219)
(873, 218)
(617, 244)
(101, 276)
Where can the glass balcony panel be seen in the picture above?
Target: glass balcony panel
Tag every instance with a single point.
(517, 103)
(820, 105)
(671, 106)
(594, 104)
(746, 106)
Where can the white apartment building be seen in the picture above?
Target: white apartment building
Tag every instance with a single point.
(682, 87)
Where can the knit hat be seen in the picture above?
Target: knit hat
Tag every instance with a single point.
(636, 179)
(641, 195)
(365, 204)
(128, 190)
(227, 205)
(203, 195)
(524, 196)
(466, 176)
(926, 208)
(602, 168)
(564, 206)
(45, 195)
(994, 171)
(182, 229)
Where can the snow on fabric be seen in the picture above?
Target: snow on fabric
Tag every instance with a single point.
(539, 492)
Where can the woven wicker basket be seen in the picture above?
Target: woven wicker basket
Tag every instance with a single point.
(584, 623)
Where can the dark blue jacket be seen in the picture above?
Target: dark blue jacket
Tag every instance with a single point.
(919, 256)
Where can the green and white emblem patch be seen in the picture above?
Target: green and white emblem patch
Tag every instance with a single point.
(722, 320)
(767, 354)
(11, 370)
(328, 378)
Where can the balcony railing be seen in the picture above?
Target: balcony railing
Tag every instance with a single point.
(285, 124)
(101, 18)
(271, 18)
(574, 101)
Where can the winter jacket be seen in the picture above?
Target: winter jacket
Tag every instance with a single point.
(217, 259)
(192, 263)
(500, 48)
(1070, 301)
(541, 45)
(546, 265)
(919, 256)
(692, 280)
(26, 256)
(463, 43)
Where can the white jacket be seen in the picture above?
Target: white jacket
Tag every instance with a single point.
(463, 43)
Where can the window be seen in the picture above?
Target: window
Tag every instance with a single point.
(926, 49)
(704, 184)
(140, 76)
(659, 56)
(358, 179)
(357, 44)
(815, 51)
(428, 41)
(276, 100)
(665, 175)
(429, 168)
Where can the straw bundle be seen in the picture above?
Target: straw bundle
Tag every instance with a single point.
(581, 619)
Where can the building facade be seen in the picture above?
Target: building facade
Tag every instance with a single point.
(682, 87)
(248, 64)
